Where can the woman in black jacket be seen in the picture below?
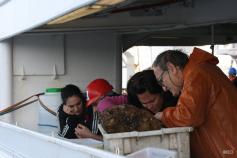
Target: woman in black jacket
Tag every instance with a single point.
(73, 114)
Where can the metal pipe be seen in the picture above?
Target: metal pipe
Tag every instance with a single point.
(212, 39)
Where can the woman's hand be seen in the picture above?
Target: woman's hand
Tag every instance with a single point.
(67, 110)
(82, 131)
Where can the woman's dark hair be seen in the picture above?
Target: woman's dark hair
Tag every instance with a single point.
(72, 90)
(141, 82)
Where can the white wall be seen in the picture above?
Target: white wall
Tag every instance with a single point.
(87, 56)
(6, 77)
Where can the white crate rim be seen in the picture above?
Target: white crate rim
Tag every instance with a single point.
(145, 133)
(171, 153)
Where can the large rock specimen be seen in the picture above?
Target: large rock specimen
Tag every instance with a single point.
(127, 118)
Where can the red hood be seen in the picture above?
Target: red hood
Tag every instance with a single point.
(199, 56)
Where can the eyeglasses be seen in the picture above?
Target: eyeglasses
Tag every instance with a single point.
(160, 80)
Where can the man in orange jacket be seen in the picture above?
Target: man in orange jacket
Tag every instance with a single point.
(207, 101)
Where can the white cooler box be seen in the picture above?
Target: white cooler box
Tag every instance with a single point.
(167, 138)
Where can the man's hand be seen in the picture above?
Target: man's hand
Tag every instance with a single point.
(82, 131)
(158, 115)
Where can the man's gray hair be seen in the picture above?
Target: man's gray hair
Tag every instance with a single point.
(176, 57)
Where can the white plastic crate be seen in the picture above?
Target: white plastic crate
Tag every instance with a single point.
(32, 144)
(85, 141)
(167, 138)
(153, 153)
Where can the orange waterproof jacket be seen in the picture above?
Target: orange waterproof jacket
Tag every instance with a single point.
(208, 102)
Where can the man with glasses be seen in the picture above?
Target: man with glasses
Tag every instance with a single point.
(207, 101)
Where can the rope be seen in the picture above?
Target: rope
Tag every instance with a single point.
(46, 108)
(20, 104)
(15, 108)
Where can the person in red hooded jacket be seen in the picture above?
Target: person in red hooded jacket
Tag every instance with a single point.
(207, 101)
